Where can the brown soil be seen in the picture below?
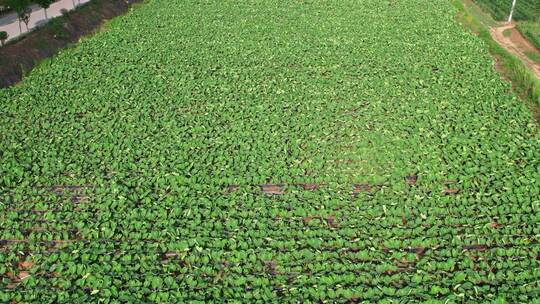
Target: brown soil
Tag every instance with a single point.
(360, 188)
(310, 187)
(231, 188)
(517, 45)
(411, 179)
(19, 57)
(272, 189)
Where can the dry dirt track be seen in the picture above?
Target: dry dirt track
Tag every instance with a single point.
(517, 45)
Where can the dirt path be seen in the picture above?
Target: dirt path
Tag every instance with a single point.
(517, 45)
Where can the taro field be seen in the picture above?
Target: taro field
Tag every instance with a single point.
(270, 152)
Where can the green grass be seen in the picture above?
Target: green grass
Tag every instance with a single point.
(120, 157)
(531, 31)
(532, 55)
(507, 32)
(500, 9)
(56, 26)
(39, 43)
(474, 11)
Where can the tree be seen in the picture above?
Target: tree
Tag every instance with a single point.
(3, 37)
(45, 4)
(25, 16)
(22, 7)
(512, 11)
(3, 5)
